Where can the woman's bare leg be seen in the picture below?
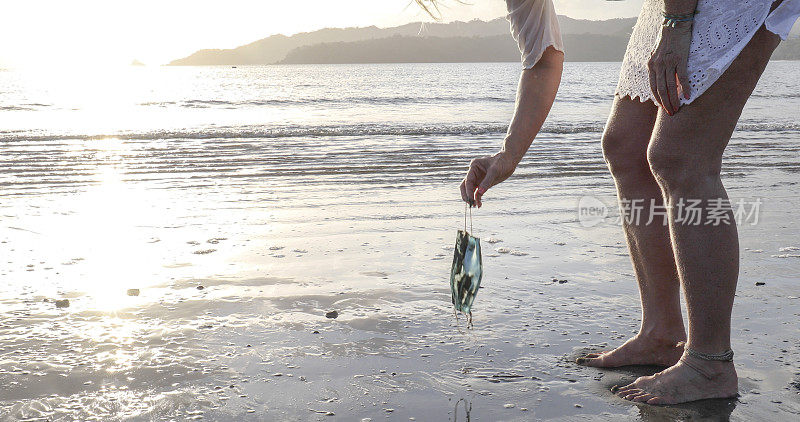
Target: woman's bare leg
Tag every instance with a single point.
(685, 155)
(625, 141)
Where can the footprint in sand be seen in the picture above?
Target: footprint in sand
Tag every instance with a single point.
(299, 251)
(275, 248)
(204, 251)
(502, 250)
(216, 240)
(493, 240)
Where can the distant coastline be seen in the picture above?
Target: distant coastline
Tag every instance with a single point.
(474, 41)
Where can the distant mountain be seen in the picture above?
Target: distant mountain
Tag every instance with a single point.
(497, 48)
(275, 48)
(474, 41)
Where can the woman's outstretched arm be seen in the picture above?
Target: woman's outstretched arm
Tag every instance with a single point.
(535, 95)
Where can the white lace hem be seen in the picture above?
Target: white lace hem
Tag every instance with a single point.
(719, 35)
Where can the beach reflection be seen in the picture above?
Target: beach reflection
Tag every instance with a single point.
(467, 409)
(718, 410)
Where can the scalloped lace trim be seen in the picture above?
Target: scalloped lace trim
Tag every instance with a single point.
(721, 30)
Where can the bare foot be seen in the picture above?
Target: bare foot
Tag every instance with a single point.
(639, 350)
(683, 383)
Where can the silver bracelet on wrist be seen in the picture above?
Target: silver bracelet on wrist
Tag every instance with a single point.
(672, 20)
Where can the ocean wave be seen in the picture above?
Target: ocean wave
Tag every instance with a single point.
(333, 131)
(372, 100)
(768, 126)
(306, 131)
(24, 107)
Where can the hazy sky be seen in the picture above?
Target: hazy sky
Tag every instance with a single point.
(157, 31)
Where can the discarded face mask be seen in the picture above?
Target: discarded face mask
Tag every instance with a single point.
(465, 276)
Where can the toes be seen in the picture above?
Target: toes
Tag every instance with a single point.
(601, 361)
(657, 400)
(606, 360)
(630, 394)
(595, 361)
(643, 398)
(588, 358)
(624, 389)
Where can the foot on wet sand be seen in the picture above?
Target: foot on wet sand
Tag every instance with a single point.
(639, 350)
(689, 380)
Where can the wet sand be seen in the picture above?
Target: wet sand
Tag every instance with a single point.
(254, 342)
(243, 242)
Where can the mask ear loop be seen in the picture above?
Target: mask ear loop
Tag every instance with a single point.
(465, 217)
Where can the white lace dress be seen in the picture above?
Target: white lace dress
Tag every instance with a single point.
(721, 30)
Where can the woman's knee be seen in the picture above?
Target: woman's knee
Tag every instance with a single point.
(624, 154)
(677, 170)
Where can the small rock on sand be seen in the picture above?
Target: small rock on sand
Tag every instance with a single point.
(332, 315)
(200, 287)
(509, 405)
(133, 292)
(760, 283)
(62, 303)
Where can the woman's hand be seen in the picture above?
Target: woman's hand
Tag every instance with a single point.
(669, 66)
(484, 173)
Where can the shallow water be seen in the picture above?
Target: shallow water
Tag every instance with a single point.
(286, 196)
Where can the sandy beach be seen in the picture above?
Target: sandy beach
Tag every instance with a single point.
(242, 247)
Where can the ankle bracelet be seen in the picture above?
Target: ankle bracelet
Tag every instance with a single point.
(726, 356)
